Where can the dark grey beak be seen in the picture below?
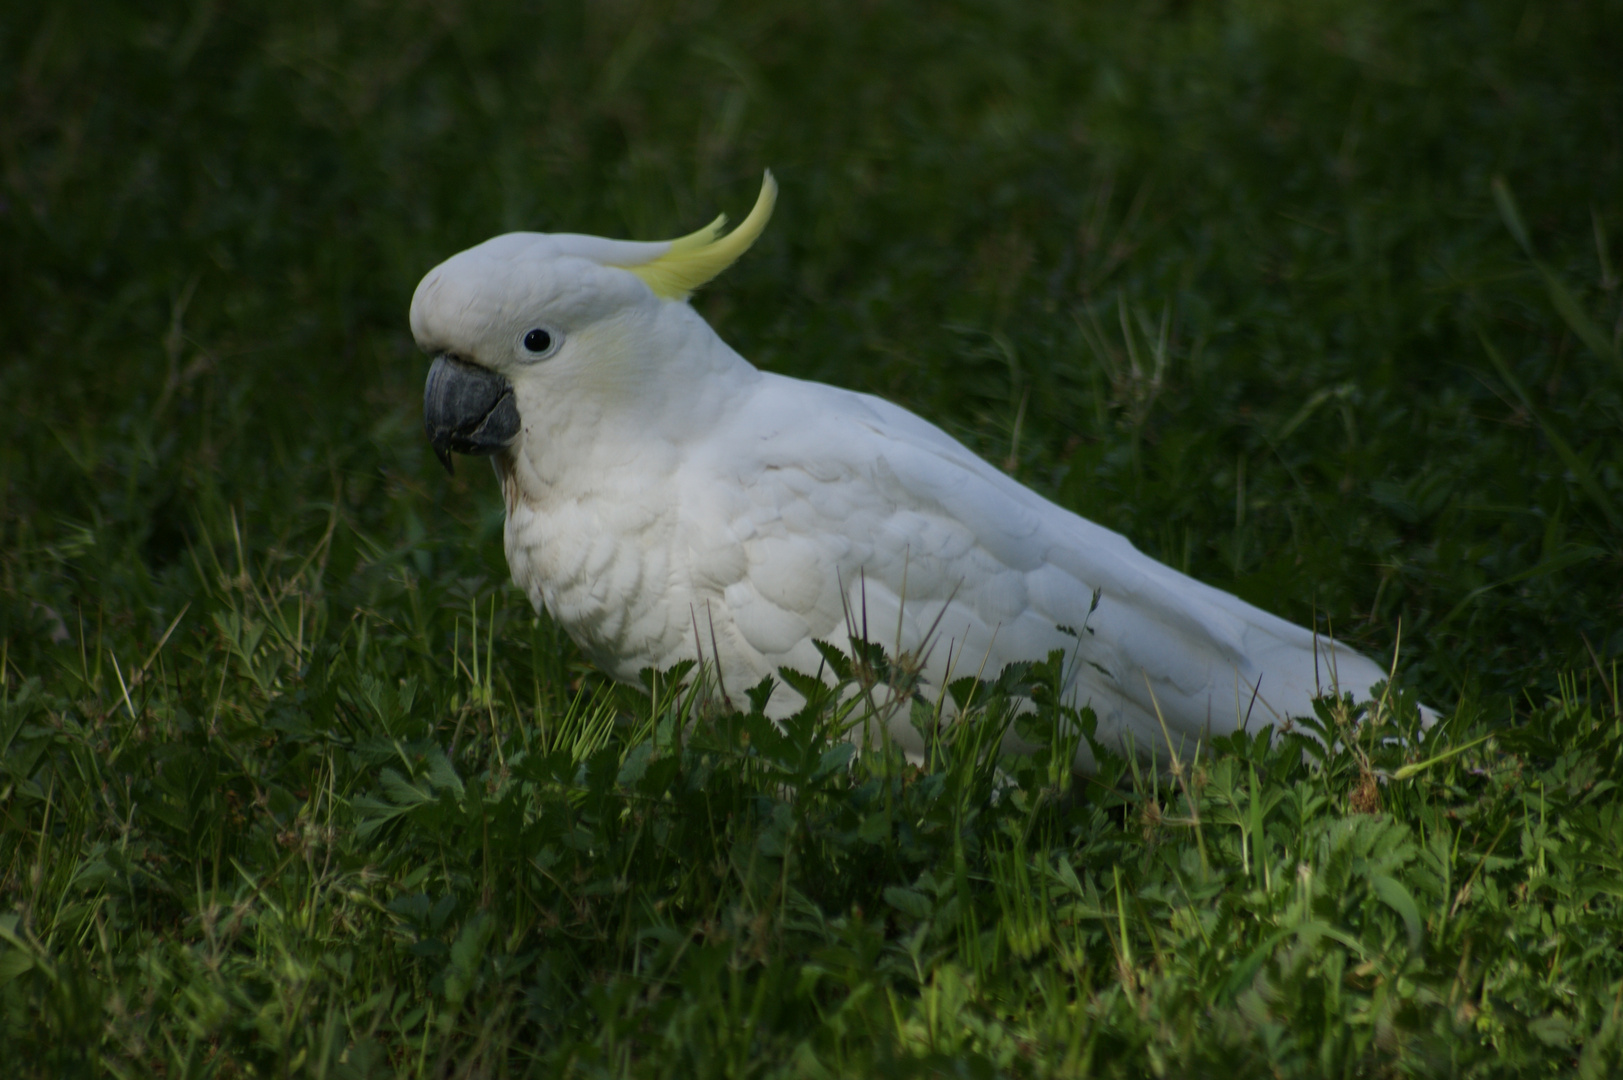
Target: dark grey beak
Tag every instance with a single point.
(468, 409)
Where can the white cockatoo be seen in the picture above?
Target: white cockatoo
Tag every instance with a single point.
(667, 501)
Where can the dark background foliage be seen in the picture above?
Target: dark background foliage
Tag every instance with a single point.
(1318, 303)
(214, 219)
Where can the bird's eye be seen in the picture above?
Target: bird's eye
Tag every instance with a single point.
(538, 341)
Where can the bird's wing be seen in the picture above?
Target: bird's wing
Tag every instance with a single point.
(817, 510)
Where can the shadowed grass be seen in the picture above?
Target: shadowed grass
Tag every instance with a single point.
(375, 874)
(1318, 304)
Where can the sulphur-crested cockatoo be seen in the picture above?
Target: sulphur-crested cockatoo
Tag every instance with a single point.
(668, 501)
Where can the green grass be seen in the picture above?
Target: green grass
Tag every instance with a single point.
(1319, 303)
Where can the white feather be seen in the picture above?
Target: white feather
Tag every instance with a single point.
(668, 501)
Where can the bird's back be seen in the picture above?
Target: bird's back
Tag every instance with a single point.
(816, 511)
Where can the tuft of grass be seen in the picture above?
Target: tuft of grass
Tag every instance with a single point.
(1319, 304)
(374, 874)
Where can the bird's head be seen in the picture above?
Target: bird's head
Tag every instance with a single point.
(525, 321)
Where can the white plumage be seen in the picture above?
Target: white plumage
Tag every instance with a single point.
(666, 501)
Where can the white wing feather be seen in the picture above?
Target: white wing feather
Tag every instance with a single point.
(813, 504)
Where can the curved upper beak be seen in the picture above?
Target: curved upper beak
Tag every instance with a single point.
(467, 408)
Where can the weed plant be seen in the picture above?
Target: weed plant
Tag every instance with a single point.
(1316, 302)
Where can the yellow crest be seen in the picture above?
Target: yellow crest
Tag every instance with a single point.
(698, 257)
